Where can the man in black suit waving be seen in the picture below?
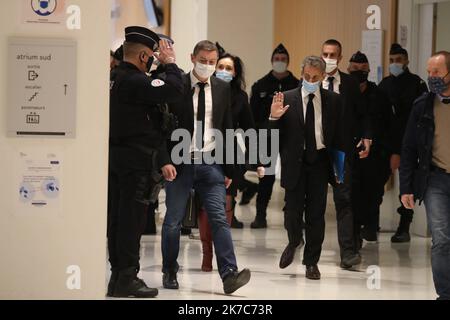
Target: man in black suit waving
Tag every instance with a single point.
(309, 127)
(205, 108)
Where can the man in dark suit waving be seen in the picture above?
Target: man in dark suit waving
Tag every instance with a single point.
(309, 127)
(205, 108)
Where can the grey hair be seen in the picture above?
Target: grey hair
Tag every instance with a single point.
(314, 61)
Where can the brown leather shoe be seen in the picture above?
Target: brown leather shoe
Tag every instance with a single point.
(312, 273)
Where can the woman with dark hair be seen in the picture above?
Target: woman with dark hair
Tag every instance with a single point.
(230, 69)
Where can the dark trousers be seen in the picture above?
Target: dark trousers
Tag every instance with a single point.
(126, 213)
(308, 197)
(239, 182)
(209, 182)
(369, 178)
(265, 189)
(342, 194)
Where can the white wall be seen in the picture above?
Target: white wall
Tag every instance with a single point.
(417, 16)
(37, 249)
(443, 26)
(244, 28)
(408, 17)
(189, 25)
(425, 38)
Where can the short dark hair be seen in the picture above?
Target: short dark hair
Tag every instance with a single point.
(334, 42)
(205, 45)
(133, 49)
(446, 55)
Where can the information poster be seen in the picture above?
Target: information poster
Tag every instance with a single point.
(49, 12)
(42, 87)
(372, 46)
(38, 185)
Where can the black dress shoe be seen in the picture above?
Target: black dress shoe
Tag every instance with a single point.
(401, 237)
(369, 235)
(236, 224)
(112, 282)
(170, 281)
(236, 280)
(288, 256)
(128, 285)
(350, 260)
(259, 224)
(312, 273)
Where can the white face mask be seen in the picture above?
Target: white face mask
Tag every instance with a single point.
(279, 66)
(332, 65)
(204, 71)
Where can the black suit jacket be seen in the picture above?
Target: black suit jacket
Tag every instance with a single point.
(292, 133)
(222, 116)
(355, 115)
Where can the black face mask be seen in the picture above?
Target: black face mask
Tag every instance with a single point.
(360, 75)
(150, 63)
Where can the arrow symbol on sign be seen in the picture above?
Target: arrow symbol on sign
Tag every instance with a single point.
(32, 75)
(65, 89)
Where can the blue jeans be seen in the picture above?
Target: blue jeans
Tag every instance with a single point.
(437, 203)
(209, 183)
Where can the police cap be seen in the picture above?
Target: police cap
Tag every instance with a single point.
(143, 36)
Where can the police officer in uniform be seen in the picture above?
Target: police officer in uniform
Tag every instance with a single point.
(138, 131)
(371, 173)
(263, 91)
(403, 88)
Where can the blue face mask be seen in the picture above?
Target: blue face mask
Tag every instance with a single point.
(311, 87)
(438, 85)
(224, 75)
(396, 69)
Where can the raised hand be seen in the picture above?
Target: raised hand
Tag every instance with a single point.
(278, 109)
(166, 53)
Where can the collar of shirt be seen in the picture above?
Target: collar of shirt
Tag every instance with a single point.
(337, 77)
(317, 115)
(443, 99)
(194, 80)
(336, 82)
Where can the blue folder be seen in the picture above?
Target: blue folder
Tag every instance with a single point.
(338, 160)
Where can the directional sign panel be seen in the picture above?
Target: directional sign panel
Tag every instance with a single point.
(42, 87)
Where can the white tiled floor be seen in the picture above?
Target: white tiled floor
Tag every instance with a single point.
(404, 269)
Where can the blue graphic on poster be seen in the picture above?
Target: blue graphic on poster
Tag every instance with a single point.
(44, 7)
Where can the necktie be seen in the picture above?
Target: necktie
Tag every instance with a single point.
(331, 84)
(310, 132)
(201, 111)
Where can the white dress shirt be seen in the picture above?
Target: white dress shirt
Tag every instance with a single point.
(317, 101)
(209, 143)
(336, 82)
